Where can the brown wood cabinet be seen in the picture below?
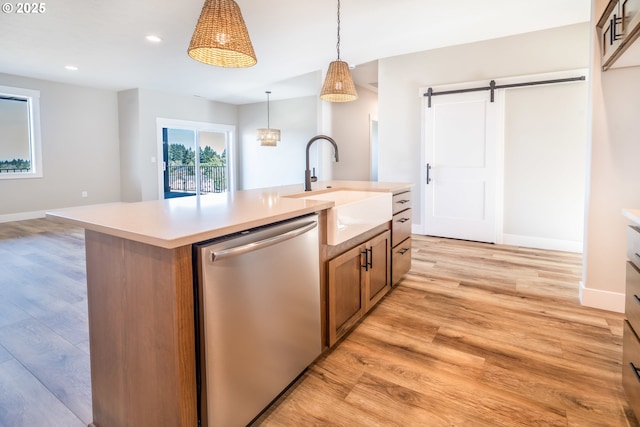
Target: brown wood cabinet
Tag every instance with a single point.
(631, 342)
(141, 331)
(357, 280)
(618, 28)
(401, 235)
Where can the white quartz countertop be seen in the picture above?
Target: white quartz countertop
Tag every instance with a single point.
(183, 221)
(632, 214)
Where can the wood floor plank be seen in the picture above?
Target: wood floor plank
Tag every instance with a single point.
(56, 363)
(4, 354)
(71, 324)
(543, 359)
(553, 391)
(10, 313)
(24, 401)
(447, 390)
(404, 407)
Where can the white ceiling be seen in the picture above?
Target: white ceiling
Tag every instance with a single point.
(292, 39)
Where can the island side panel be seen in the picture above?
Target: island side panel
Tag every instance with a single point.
(141, 327)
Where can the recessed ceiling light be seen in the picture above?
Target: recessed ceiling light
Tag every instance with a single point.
(71, 67)
(154, 39)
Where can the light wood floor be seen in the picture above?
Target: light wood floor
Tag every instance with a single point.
(44, 338)
(475, 335)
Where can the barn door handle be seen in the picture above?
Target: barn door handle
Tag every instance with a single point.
(428, 169)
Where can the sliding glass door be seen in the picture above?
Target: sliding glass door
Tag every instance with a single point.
(197, 158)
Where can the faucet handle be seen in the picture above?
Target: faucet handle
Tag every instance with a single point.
(314, 178)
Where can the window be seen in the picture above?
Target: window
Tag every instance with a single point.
(20, 155)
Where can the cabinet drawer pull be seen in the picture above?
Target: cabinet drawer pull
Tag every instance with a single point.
(637, 254)
(368, 258)
(636, 298)
(403, 220)
(635, 370)
(403, 201)
(403, 251)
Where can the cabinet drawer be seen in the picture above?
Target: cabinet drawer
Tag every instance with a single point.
(631, 362)
(632, 296)
(633, 245)
(400, 227)
(401, 201)
(401, 261)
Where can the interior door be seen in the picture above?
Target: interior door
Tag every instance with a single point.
(461, 138)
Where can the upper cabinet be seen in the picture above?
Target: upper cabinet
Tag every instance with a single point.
(618, 28)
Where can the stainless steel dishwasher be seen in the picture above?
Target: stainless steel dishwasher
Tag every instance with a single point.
(258, 315)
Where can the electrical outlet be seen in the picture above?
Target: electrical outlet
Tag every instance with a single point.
(85, 194)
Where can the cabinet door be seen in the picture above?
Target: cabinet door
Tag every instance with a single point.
(346, 281)
(378, 278)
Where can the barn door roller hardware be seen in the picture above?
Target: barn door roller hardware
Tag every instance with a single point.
(493, 86)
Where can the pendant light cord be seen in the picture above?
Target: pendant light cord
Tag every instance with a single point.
(338, 44)
(268, 127)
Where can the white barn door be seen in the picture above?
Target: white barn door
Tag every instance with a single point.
(461, 141)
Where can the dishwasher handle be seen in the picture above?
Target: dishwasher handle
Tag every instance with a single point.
(254, 246)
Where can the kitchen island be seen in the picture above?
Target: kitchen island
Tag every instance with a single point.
(140, 292)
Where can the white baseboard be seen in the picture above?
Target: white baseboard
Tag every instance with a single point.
(542, 243)
(527, 241)
(604, 300)
(22, 216)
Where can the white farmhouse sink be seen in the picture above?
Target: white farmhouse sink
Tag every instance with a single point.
(354, 213)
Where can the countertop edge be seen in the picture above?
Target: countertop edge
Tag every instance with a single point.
(187, 239)
(632, 214)
(173, 223)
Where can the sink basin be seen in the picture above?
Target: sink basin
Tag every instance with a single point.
(354, 213)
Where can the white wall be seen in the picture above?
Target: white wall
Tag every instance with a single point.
(130, 146)
(80, 151)
(139, 110)
(614, 176)
(350, 129)
(400, 78)
(545, 160)
(284, 164)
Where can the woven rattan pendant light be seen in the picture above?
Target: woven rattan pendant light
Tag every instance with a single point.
(221, 37)
(338, 85)
(268, 137)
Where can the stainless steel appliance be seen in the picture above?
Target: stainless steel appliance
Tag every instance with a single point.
(259, 302)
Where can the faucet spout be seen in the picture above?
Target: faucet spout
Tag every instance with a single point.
(307, 172)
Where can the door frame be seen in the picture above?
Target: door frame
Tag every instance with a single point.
(230, 137)
(499, 156)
